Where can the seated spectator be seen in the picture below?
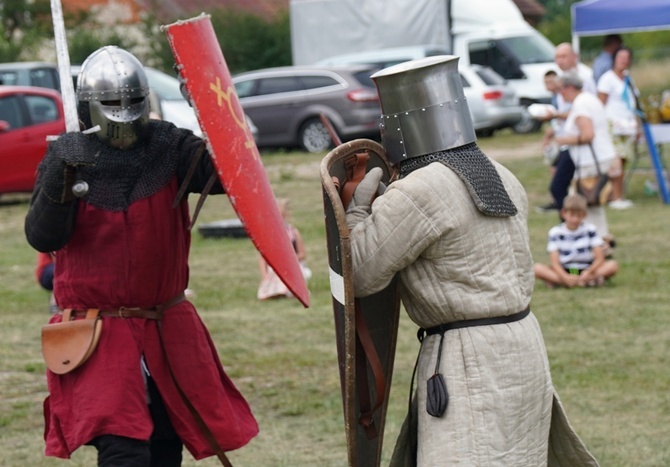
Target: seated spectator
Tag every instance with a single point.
(576, 251)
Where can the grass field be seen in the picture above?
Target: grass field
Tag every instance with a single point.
(608, 347)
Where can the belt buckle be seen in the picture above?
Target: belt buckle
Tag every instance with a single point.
(123, 309)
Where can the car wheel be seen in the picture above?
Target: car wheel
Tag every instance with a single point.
(314, 136)
(527, 124)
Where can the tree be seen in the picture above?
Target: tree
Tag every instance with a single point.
(249, 42)
(23, 25)
(82, 42)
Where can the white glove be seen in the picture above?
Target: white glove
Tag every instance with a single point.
(359, 207)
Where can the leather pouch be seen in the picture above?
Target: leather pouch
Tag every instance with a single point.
(595, 189)
(68, 344)
(437, 396)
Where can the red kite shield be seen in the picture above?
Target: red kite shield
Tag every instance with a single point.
(231, 146)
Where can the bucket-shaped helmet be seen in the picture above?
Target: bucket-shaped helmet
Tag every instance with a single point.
(424, 109)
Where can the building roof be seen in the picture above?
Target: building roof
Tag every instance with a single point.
(179, 9)
(119, 11)
(530, 8)
(128, 11)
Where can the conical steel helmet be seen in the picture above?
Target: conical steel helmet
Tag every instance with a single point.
(114, 84)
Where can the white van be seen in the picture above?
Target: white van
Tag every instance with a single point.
(483, 32)
(522, 60)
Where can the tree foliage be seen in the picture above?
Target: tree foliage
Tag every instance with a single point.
(23, 25)
(83, 42)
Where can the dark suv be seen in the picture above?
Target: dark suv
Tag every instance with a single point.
(285, 103)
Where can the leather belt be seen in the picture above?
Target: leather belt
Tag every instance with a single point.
(466, 323)
(155, 313)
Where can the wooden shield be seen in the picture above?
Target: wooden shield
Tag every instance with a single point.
(365, 328)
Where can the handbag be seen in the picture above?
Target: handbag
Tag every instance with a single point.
(595, 189)
(68, 344)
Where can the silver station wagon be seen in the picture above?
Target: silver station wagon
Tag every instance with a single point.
(286, 103)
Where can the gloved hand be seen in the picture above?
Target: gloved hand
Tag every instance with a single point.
(56, 172)
(364, 194)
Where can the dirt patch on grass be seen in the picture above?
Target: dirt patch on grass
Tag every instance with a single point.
(525, 150)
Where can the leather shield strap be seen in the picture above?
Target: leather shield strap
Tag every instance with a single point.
(187, 180)
(369, 354)
(356, 168)
(209, 436)
(366, 352)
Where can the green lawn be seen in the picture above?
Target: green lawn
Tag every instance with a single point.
(608, 347)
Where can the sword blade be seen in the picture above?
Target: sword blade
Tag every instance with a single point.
(63, 57)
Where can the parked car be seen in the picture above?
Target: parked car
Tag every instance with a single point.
(493, 104)
(285, 103)
(42, 74)
(166, 99)
(27, 116)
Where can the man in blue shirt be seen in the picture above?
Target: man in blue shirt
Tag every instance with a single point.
(603, 61)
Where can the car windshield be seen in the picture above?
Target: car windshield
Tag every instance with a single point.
(489, 76)
(530, 49)
(363, 77)
(164, 85)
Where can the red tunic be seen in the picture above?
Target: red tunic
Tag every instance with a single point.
(138, 258)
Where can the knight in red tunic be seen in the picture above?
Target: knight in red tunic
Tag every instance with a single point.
(122, 245)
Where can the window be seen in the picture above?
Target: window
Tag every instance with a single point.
(245, 88)
(315, 81)
(493, 54)
(9, 78)
(464, 82)
(530, 49)
(44, 78)
(490, 77)
(363, 77)
(277, 85)
(166, 87)
(10, 111)
(41, 109)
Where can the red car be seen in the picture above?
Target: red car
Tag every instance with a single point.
(27, 116)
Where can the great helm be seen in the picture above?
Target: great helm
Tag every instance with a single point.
(424, 109)
(113, 83)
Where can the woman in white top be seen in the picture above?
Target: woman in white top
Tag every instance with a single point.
(586, 132)
(618, 93)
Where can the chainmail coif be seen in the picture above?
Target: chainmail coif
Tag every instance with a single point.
(478, 173)
(119, 177)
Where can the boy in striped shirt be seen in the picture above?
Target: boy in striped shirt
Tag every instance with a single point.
(576, 251)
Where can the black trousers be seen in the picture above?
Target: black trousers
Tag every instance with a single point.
(560, 182)
(164, 448)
